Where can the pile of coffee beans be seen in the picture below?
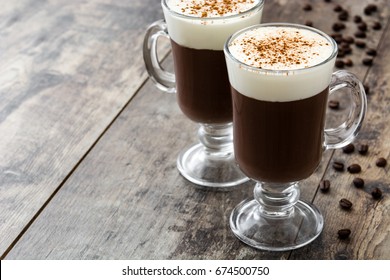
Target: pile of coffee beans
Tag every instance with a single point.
(347, 42)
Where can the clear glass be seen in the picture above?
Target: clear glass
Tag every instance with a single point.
(276, 219)
(202, 88)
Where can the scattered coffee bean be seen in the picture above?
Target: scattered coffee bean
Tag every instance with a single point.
(348, 62)
(354, 168)
(340, 53)
(348, 50)
(360, 44)
(327, 1)
(381, 162)
(348, 39)
(344, 233)
(339, 63)
(345, 204)
(363, 148)
(338, 8)
(338, 26)
(367, 61)
(358, 182)
(371, 52)
(309, 23)
(307, 7)
(343, 15)
(324, 186)
(338, 166)
(333, 104)
(362, 26)
(360, 34)
(376, 193)
(369, 9)
(349, 148)
(357, 19)
(377, 25)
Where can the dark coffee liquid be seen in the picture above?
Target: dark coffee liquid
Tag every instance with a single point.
(278, 141)
(203, 89)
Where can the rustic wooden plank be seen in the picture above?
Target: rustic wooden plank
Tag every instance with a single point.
(126, 200)
(67, 68)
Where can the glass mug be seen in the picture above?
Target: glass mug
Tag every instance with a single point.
(198, 31)
(281, 77)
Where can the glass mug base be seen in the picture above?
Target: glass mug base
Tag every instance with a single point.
(302, 226)
(207, 170)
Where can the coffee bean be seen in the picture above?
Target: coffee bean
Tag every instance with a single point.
(348, 62)
(377, 25)
(343, 15)
(338, 8)
(348, 50)
(338, 26)
(339, 63)
(324, 186)
(333, 104)
(381, 162)
(340, 53)
(307, 7)
(358, 182)
(360, 44)
(344, 233)
(376, 193)
(349, 148)
(360, 34)
(336, 35)
(338, 166)
(369, 9)
(371, 52)
(363, 149)
(348, 39)
(309, 23)
(367, 61)
(362, 26)
(357, 19)
(345, 204)
(327, 1)
(354, 168)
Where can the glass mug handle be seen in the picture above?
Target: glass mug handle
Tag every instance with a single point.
(163, 79)
(345, 133)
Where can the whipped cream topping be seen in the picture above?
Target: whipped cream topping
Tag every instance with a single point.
(279, 62)
(211, 8)
(207, 24)
(280, 48)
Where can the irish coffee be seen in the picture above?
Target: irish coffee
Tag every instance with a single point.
(279, 101)
(198, 31)
(281, 76)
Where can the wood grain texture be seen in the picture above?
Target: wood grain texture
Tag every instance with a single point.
(67, 68)
(126, 199)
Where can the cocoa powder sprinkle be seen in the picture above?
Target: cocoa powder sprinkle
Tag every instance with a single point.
(284, 48)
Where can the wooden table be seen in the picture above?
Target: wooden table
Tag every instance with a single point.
(88, 144)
